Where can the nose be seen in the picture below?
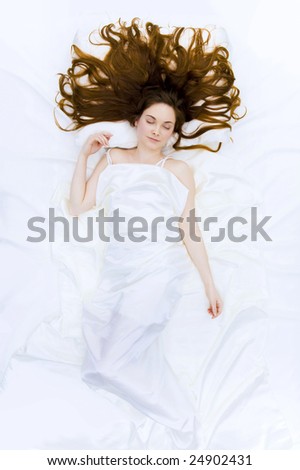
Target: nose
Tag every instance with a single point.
(156, 131)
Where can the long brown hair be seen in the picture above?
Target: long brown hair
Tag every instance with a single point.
(140, 69)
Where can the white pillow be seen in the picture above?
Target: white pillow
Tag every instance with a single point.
(124, 135)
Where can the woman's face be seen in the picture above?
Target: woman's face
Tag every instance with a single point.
(156, 125)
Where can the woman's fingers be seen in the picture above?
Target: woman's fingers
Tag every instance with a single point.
(105, 135)
(219, 307)
(215, 309)
(210, 311)
(104, 138)
(95, 141)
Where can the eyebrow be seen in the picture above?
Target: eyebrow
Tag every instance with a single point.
(171, 122)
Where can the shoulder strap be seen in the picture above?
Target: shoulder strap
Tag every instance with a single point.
(163, 160)
(108, 157)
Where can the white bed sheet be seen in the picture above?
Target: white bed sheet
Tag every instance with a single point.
(243, 366)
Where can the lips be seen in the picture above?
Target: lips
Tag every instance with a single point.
(154, 140)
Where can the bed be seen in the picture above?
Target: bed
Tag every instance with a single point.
(243, 365)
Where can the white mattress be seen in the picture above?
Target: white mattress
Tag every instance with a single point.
(244, 364)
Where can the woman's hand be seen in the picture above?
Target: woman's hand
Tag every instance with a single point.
(215, 301)
(94, 143)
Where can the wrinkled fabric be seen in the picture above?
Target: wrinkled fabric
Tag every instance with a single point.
(140, 287)
(241, 368)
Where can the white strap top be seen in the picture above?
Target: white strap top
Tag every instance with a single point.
(161, 162)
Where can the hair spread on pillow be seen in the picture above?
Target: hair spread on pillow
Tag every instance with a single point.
(143, 67)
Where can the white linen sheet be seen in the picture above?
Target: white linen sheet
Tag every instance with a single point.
(243, 366)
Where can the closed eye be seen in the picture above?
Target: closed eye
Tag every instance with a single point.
(152, 122)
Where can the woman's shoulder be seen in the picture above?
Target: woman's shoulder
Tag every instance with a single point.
(182, 170)
(177, 165)
(119, 155)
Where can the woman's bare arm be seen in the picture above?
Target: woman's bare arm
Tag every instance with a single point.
(196, 248)
(83, 193)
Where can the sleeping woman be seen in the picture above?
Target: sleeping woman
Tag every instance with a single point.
(157, 85)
